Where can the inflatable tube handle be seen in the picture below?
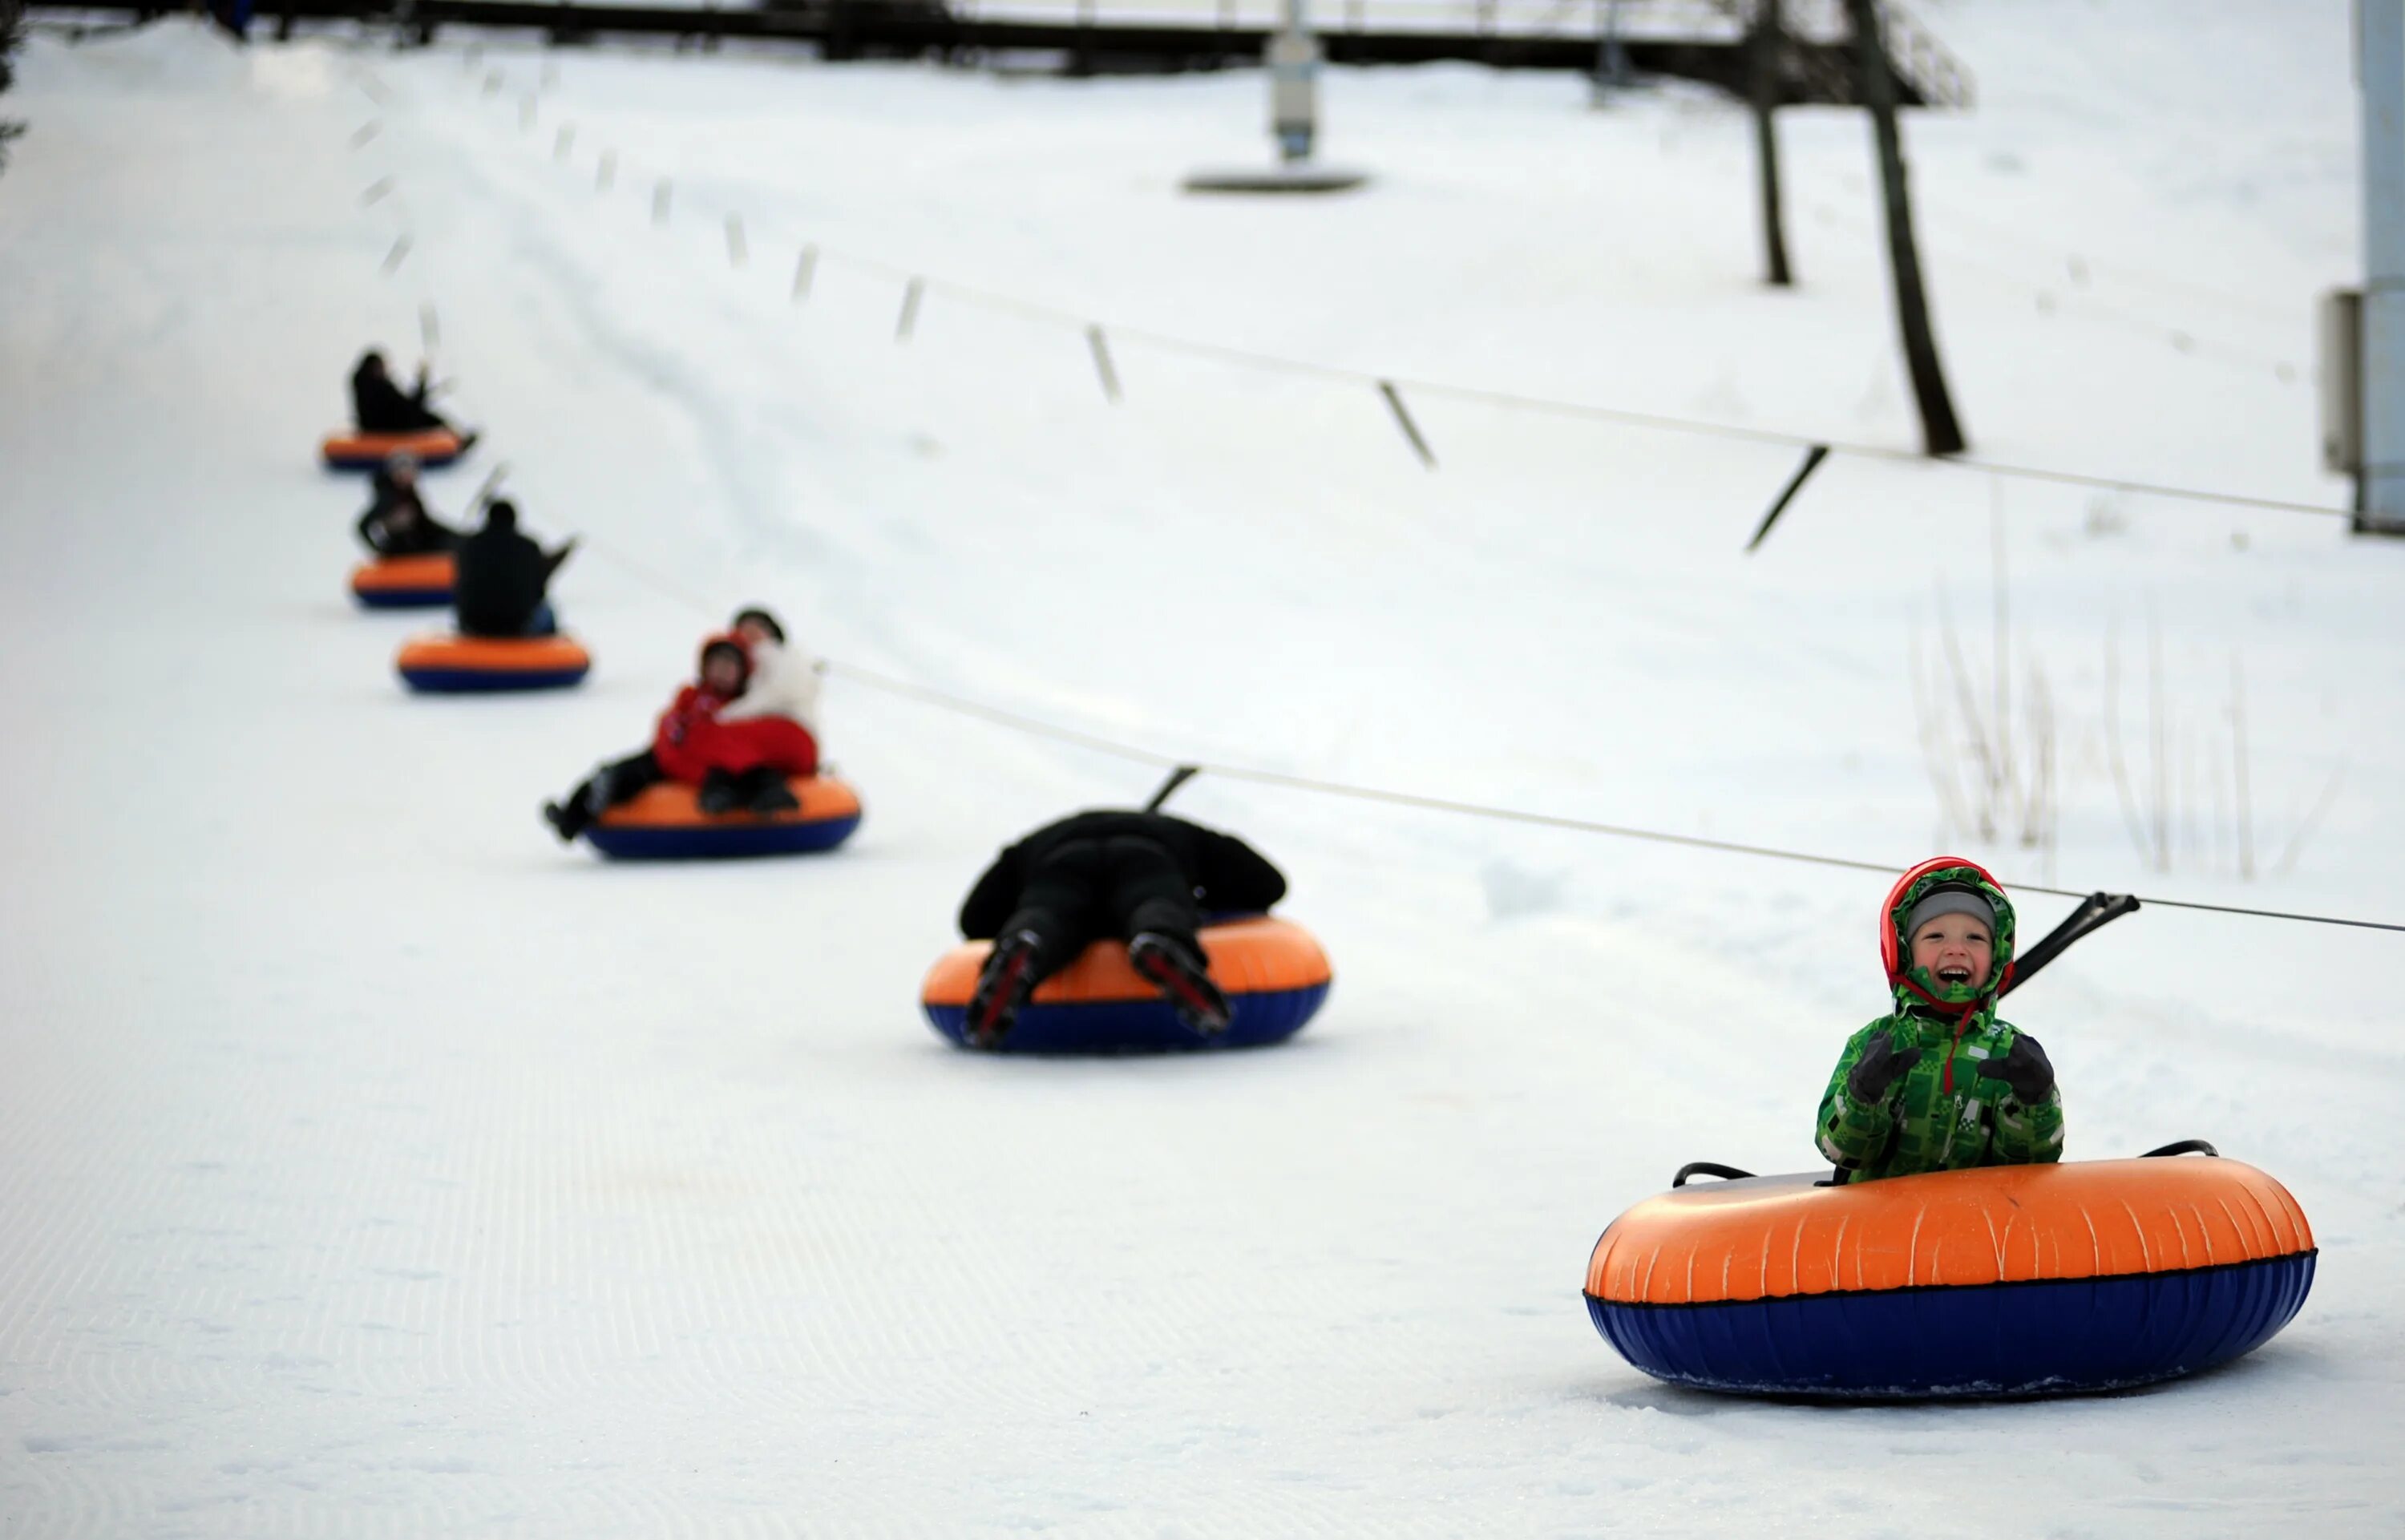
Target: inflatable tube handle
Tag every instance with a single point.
(2185, 1146)
(1707, 1168)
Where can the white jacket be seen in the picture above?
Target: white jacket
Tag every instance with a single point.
(784, 682)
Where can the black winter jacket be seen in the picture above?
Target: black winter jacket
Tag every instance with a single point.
(384, 537)
(1228, 875)
(499, 580)
(380, 406)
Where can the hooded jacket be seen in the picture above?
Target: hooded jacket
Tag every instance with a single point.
(696, 703)
(1941, 1114)
(695, 736)
(1228, 875)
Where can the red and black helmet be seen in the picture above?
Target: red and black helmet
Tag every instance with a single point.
(1894, 942)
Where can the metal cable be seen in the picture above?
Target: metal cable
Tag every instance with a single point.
(1035, 726)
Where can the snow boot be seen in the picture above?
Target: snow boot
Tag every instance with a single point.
(1183, 981)
(770, 795)
(720, 795)
(1003, 987)
(567, 821)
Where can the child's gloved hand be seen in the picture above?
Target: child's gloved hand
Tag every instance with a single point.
(1877, 1070)
(2024, 1069)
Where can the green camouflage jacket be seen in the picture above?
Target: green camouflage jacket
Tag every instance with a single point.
(1941, 1115)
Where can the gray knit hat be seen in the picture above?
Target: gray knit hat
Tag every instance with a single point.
(1940, 902)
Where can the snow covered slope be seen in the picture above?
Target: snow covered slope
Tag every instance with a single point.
(369, 1165)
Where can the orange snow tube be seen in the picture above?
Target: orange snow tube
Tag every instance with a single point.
(457, 664)
(1273, 972)
(403, 582)
(2001, 1281)
(435, 446)
(663, 823)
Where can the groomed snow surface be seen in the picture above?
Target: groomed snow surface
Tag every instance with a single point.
(369, 1165)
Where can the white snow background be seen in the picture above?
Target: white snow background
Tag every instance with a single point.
(369, 1165)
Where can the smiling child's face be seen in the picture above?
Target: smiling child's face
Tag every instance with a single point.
(1957, 949)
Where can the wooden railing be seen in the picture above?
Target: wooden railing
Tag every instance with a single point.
(1702, 39)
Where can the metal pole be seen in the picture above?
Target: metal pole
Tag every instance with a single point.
(1601, 91)
(2381, 25)
(1293, 59)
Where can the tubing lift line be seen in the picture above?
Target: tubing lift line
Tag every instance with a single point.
(2109, 907)
(1388, 386)
(2112, 906)
(1512, 400)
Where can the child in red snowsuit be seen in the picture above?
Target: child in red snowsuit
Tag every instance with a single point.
(739, 765)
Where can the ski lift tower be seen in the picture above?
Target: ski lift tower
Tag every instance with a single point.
(1293, 57)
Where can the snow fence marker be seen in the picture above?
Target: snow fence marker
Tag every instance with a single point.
(660, 202)
(567, 137)
(1101, 352)
(377, 192)
(526, 112)
(909, 320)
(736, 250)
(429, 327)
(1404, 420)
(607, 172)
(1812, 459)
(802, 270)
(394, 258)
(367, 130)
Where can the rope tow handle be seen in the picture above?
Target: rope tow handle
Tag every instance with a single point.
(1177, 778)
(2095, 911)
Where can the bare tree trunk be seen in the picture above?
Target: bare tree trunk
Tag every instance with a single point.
(1767, 48)
(12, 32)
(1940, 432)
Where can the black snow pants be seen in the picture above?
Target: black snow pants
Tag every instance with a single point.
(620, 780)
(1090, 890)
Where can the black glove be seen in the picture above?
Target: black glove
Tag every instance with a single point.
(1877, 1070)
(2023, 1068)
